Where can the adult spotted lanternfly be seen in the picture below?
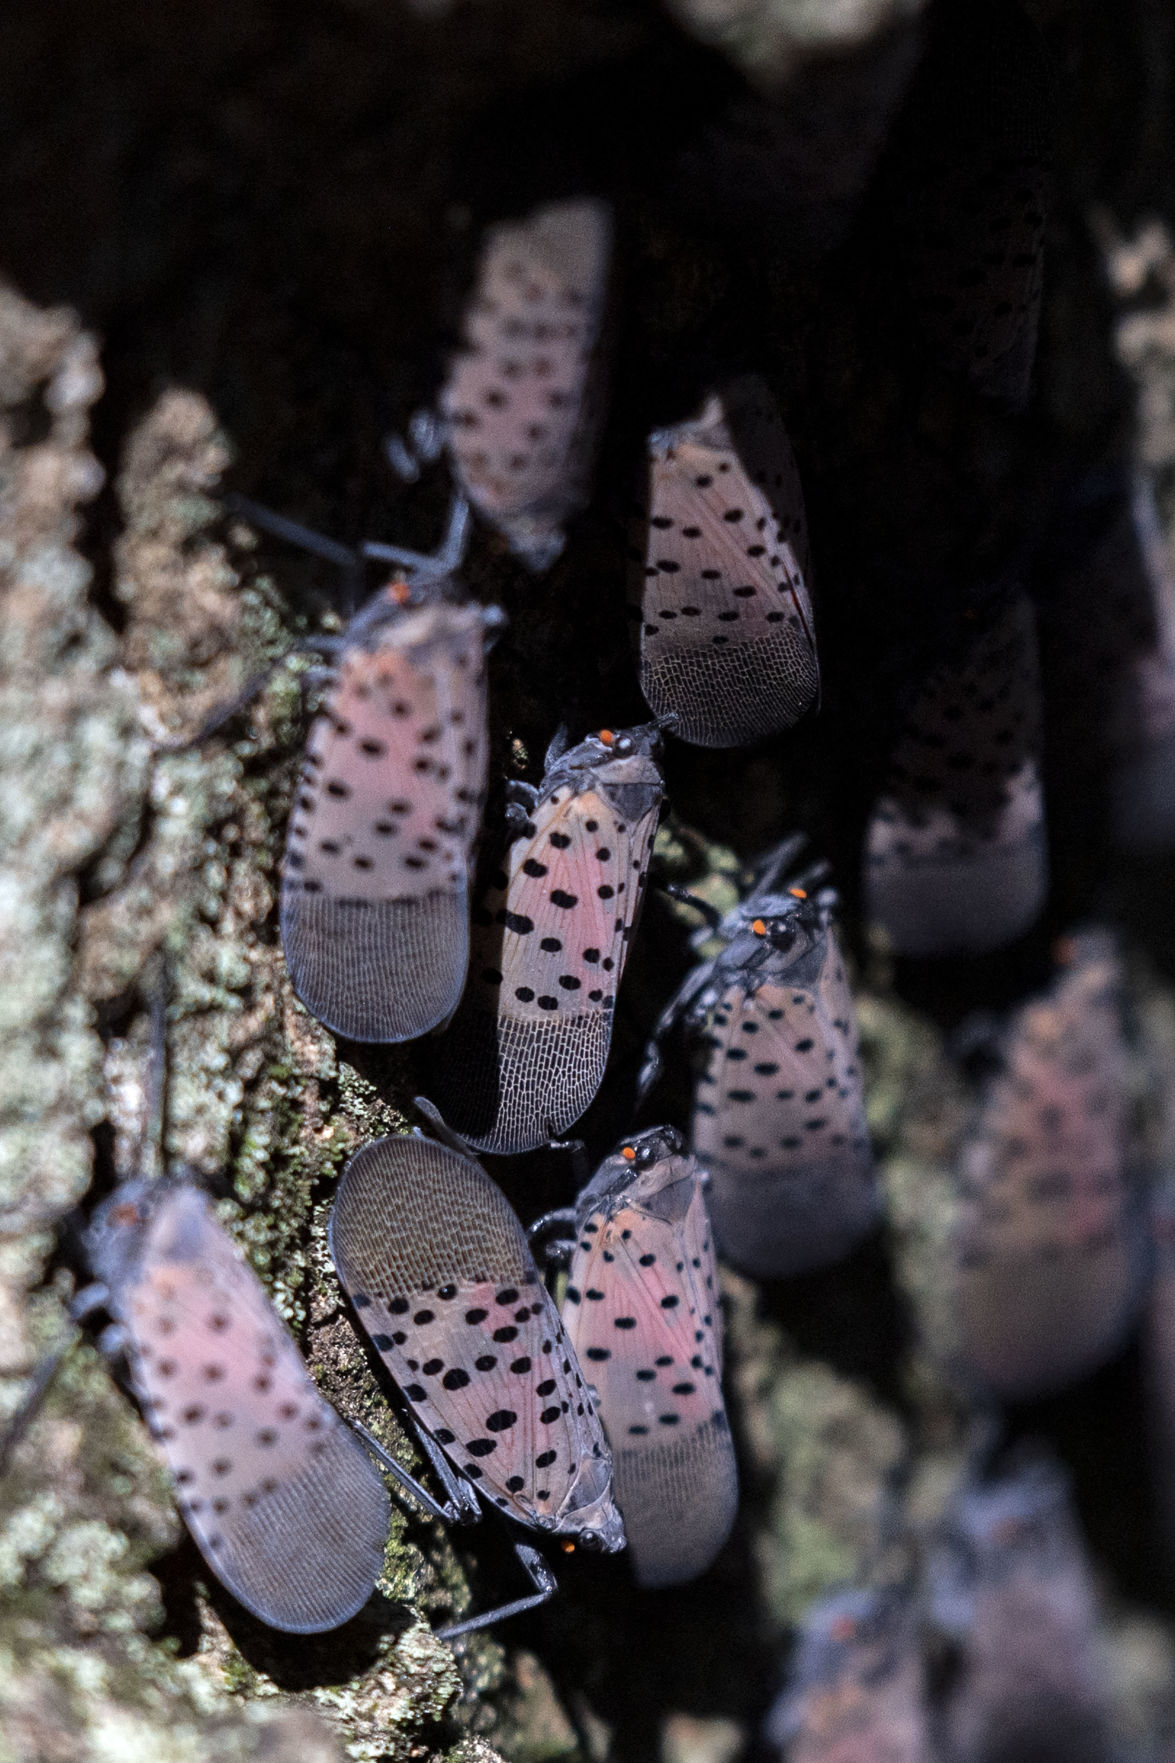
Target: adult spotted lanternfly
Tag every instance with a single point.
(522, 403)
(642, 1311)
(779, 1117)
(526, 1051)
(719, 557)
(1009, 1584)
(1050, 1243)
(440, 1275)
(856, 1689)
(374, 896)
(284, 1502)
(286, 1506)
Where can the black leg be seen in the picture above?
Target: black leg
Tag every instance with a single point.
(540, 1576)
(461, 1507)
(34, 1396)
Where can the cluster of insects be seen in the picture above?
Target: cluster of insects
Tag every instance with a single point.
(406, 914)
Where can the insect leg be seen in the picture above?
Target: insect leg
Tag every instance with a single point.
(443, 1131)
(252, 689)
(423, 445)
(455, 1510)
(693, 984)
(292, 531)
(34, 1396)
(426, 566)
(540, 1576)
(557, 1252)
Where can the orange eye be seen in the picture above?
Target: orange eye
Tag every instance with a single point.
(401, 593)
(606, 736)
(798, 893)
(628, 1154)
(568, 1548)
(759, 928)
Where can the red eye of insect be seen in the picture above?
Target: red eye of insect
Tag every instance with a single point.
(606, 735)
(798, 893)
(628, 1154)
(125, 1214)
(759, 927)
(568, 1548)
(843, 1629)
(400, 592)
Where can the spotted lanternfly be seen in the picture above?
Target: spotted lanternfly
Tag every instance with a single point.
(1106, 598)
(285, 1504)
(526, 1051)
(855, 1691)
(969, 176)
(1049, 1243)
(779, 1117)
(1009, 1585)
(642, 1311)
(955, 850)
(522, 403)
(374, 896)
(438, 1269)
(719, 559)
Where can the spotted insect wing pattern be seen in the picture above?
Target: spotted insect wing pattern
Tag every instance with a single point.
(374, 899)
(1010, 1583)
(856, 1689)
(286, 1506)
(779, 1114)
(642, 1311)
(955, 850)
(438, 1269)
(719, 566)
(1049, 1241)
(526, 1052)
(523, 399)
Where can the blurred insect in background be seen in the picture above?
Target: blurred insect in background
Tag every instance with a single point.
(642, 1311)
(779, 1115)
(284, 1503)
(855, 1690)
(955, 858)
(1158, 1343)
(521, 408)
(719, 570)
(438, 1270)
(1049, 1245)
(527, 1049)
(1009, 1586)
(375, 875)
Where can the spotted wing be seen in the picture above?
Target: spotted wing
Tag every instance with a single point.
(643, 1313)
(288, 1509)
(719, 547)
(1048, 1242)
(374, 886)
(779, 1121)
(955, 851)
(438, 1269)
(527, 1049)
(521, 403)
